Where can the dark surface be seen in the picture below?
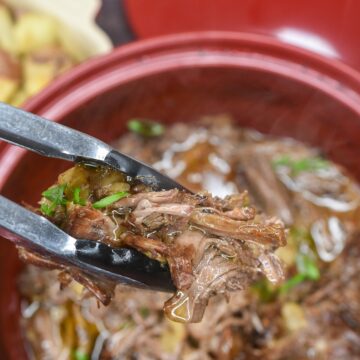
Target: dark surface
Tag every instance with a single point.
(125, 262)
(138, 170)
(113, 20)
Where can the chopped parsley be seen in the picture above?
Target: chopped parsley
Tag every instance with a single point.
(144, 127)
(76, 197)
(306, 270)
(108, 200)
(48, 210)
(144, 312)
(55, 195)
(292, 282)
(307, 266)
(300, 165)
(81, 355)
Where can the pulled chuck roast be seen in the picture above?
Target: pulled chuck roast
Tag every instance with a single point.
(212, 245)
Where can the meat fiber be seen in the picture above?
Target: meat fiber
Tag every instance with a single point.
(212, 245)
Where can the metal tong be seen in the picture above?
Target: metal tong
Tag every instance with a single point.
(23, 227)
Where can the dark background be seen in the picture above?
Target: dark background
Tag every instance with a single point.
(113, 20)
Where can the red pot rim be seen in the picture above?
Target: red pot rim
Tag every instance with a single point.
(196, 49)
(142, 53)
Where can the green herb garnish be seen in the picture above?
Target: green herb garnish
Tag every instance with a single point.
(144, 127)
(55, 195)
(81, 355)
(307, 266)
(76, 197)
(106, 201)
(144, 312)
(305, 164)
(307, 270)
(292, 282)
(48, 210)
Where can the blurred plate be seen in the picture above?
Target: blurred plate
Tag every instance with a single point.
(82, 36)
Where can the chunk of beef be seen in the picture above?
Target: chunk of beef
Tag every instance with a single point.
(261, 179)
(212, 245)
(85, 222)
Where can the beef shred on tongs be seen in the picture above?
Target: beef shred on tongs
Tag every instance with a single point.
(212, 245)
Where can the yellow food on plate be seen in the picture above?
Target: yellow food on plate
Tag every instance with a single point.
(38, 44)
(32, 31)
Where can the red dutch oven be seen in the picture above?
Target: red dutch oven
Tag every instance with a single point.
(263, 84)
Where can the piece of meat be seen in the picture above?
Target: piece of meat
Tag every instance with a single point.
(211, 277)
(211, 245)
(145, 208)
(235, 201)
(85, 222)
(153, 248)
(155, 221)
(179, 257)
(264, 233)
(245, 213)
(180, 263)
(157, 197)
(35, 259)
(262, 180)
(102, 290)
(215, 246)
(220, 266)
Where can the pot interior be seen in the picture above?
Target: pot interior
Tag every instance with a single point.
(265, 101)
